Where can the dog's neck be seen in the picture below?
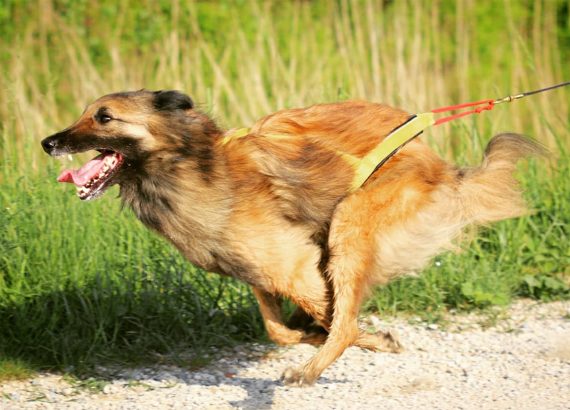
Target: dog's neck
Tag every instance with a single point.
(182, 202)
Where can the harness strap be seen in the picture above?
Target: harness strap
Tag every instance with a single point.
(364, 167)
(399, 137)
(235, 134)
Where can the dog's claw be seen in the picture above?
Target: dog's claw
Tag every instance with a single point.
(296, 378)
(393, 342)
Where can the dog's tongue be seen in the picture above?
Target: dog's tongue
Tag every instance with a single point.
(84, 174)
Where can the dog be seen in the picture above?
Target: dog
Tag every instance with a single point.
(274, 207)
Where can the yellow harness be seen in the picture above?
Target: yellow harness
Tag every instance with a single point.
(364, 167)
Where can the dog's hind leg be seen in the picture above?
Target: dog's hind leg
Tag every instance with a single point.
(353, 267)
(301, 320)
(378, 342)
(270, 307)
(352, 257)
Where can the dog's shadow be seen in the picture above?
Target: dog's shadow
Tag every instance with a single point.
(260, 391)
(21, 343)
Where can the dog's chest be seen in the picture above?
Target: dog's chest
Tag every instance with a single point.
(213, 255)
(197, 233)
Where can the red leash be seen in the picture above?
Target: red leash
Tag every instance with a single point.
(486, 105)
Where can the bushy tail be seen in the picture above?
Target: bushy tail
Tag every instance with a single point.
(491, 192)
(477, 196)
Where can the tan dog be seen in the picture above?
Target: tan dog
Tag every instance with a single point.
(274, 207)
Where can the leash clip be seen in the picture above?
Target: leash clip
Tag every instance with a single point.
(509, 98)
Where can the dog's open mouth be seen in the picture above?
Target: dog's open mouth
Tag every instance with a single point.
(93, 177)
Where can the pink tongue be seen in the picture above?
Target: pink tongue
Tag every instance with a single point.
(84, 174)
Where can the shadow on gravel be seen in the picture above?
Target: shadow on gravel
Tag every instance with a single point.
(261, 392)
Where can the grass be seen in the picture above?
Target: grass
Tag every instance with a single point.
(77, 278)
(15, 369)
(85, 283)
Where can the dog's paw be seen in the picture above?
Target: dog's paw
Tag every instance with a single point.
(380, 342)
(392, 342)
(296, 378)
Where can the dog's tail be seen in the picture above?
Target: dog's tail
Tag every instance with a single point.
(490, 192)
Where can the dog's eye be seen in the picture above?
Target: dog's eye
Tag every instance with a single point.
(104, 118)
(102, 115)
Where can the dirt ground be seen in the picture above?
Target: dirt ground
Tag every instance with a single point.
(518, 358)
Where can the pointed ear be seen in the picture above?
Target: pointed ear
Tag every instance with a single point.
(170, 100)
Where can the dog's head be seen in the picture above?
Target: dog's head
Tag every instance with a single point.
(131, 130)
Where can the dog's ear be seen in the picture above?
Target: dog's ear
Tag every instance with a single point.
(170, 100)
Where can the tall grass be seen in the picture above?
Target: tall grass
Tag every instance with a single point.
(81, 282)
(243, 62)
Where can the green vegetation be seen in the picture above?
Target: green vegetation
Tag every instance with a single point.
(14, 369)
(85, 283)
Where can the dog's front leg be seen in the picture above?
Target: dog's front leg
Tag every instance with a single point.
(270, 307)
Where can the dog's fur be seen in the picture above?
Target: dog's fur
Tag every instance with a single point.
(275, 210)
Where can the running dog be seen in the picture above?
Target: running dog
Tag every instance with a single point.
(274, 207)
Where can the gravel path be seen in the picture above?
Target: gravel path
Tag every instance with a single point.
(517, 359)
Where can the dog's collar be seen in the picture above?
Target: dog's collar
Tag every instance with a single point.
(364, 167)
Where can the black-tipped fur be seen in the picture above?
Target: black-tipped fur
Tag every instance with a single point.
(171, 100)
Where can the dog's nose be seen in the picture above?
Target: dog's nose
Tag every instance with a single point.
(49, 144)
